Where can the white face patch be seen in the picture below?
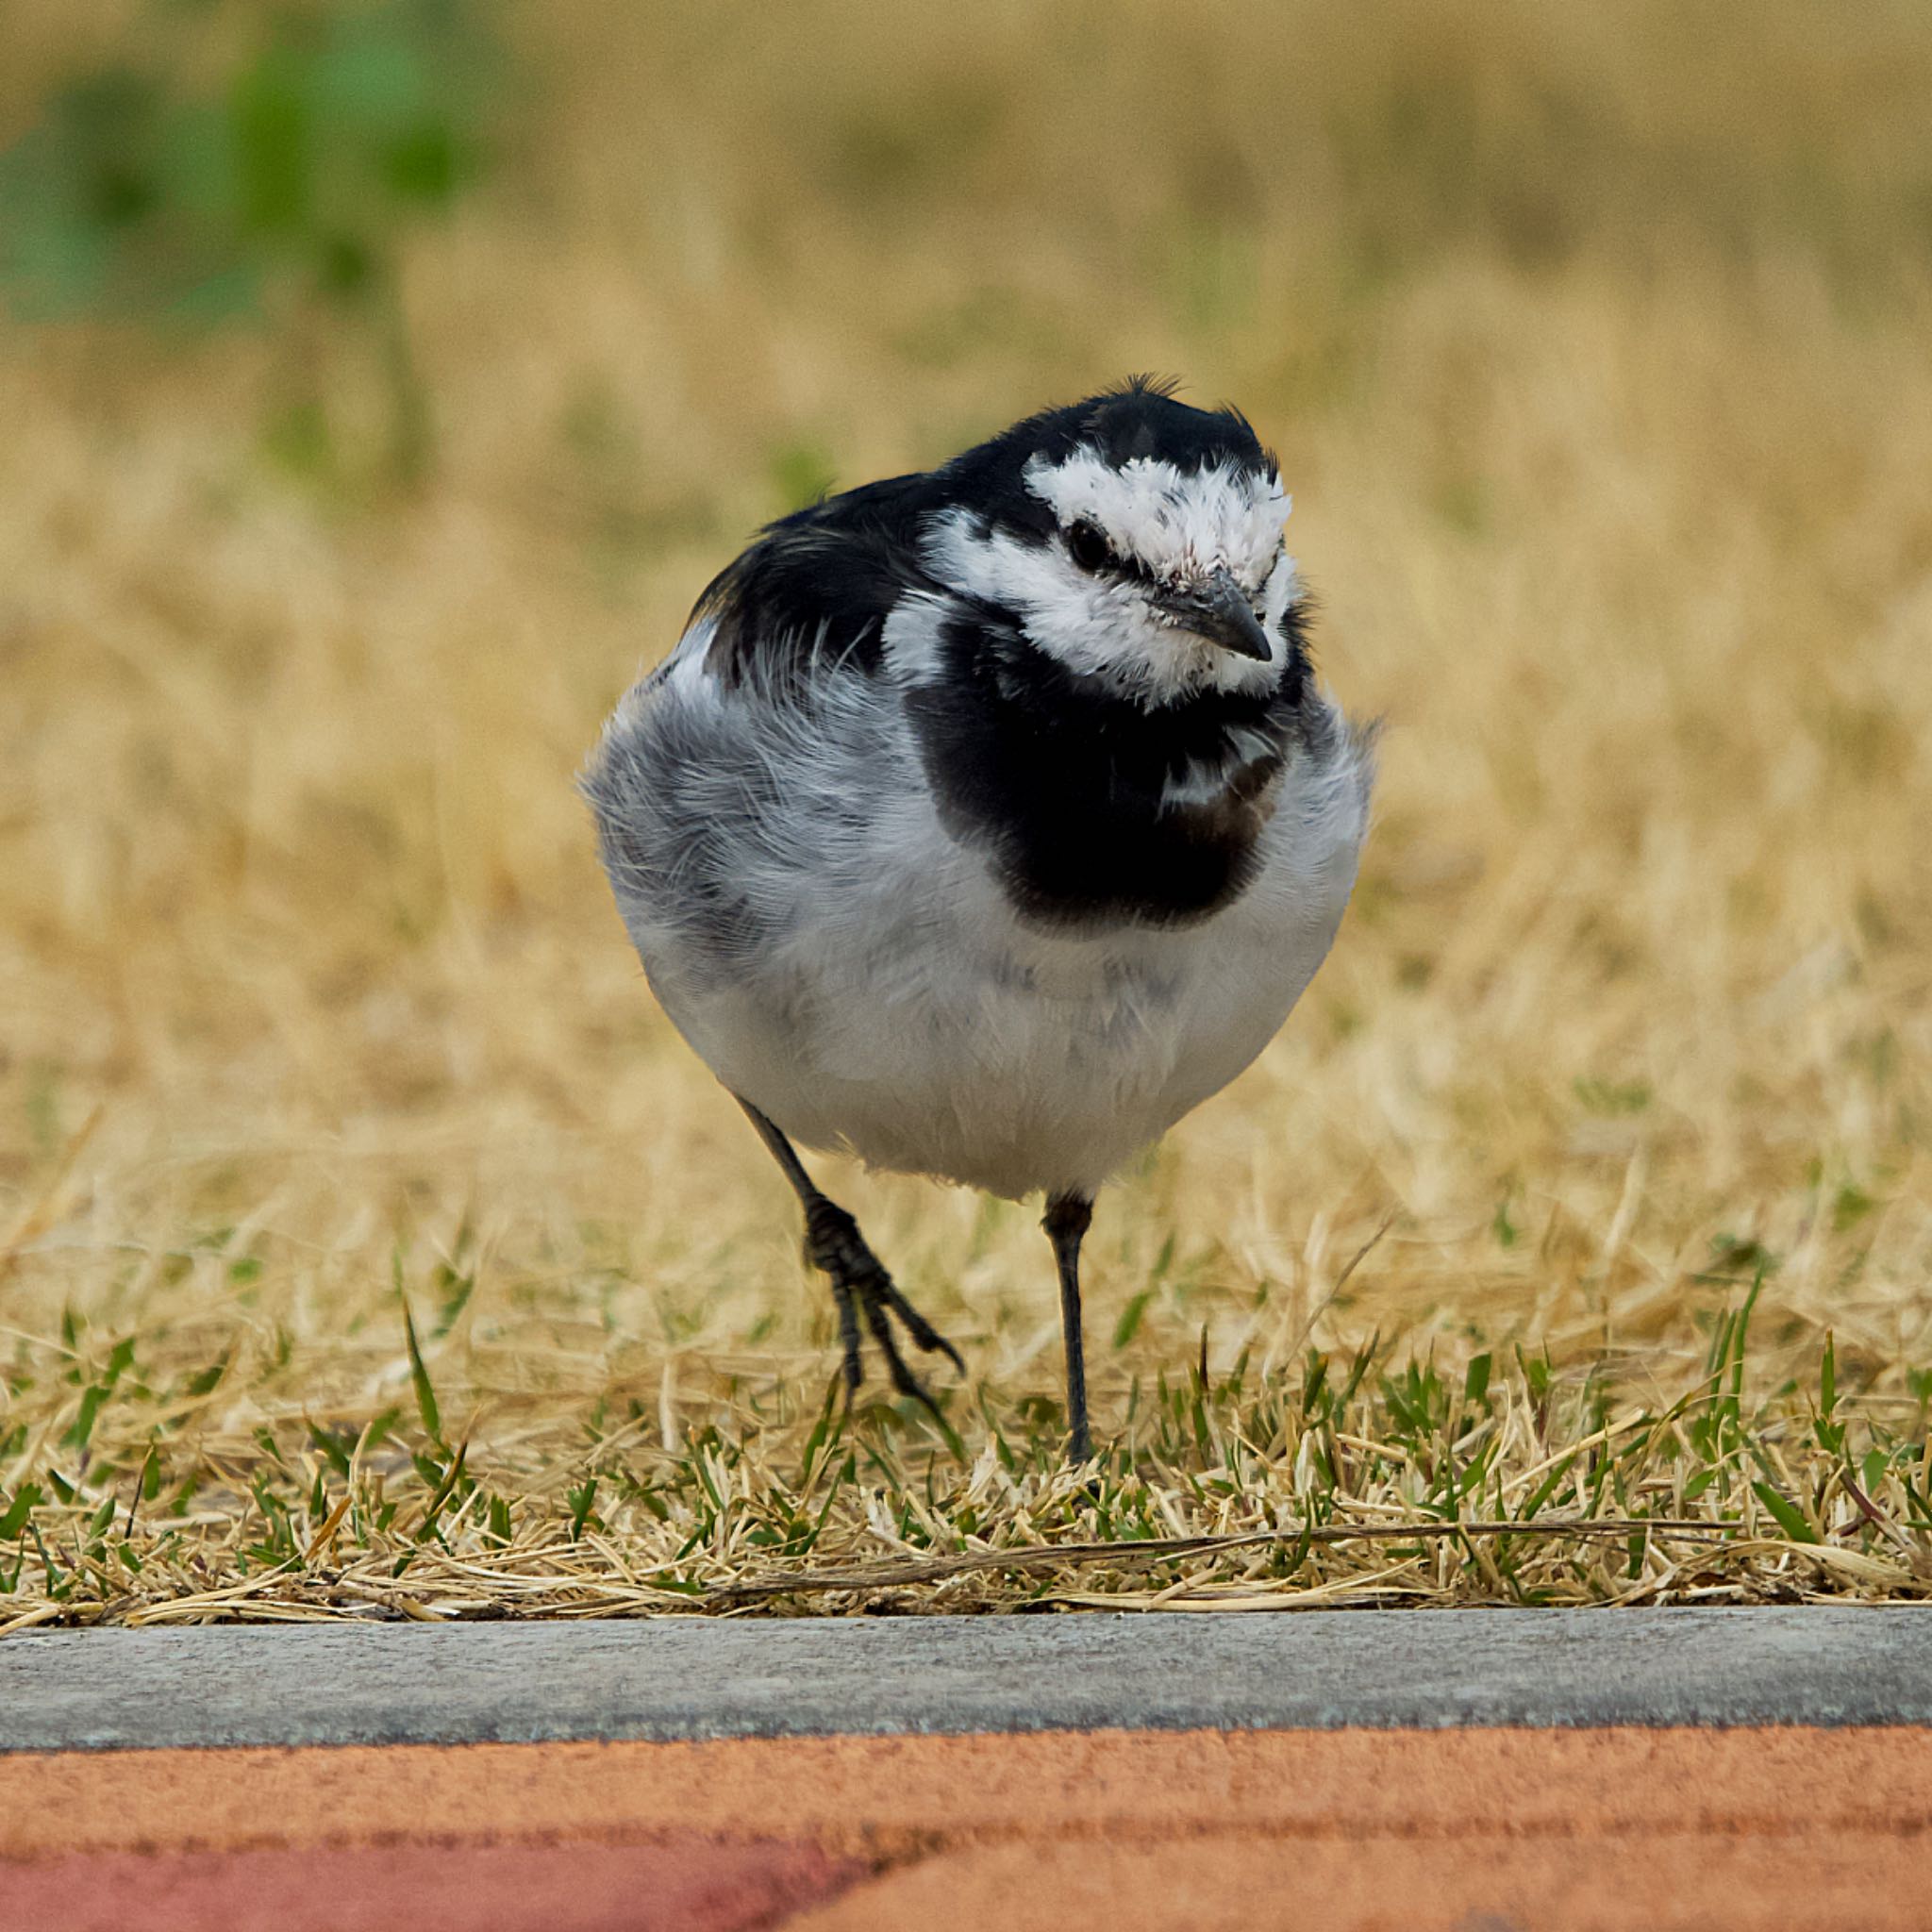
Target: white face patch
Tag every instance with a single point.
(1102, 625)
(1177, 523)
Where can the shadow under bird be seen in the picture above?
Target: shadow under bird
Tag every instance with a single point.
(984, 822)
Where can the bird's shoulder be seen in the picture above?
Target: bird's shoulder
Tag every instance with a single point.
(813, 590)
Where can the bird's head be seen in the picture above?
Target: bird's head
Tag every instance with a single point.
(1136, 540)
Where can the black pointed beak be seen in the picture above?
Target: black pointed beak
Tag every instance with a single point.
(1219, 610)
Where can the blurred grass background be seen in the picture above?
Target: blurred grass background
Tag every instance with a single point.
(380, 384)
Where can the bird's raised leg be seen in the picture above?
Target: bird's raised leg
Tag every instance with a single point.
(1066, 1221)
(860, 1283)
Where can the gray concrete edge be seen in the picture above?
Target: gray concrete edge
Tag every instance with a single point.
(695, 1679)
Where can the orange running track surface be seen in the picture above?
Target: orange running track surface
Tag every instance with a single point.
(1478, 1830)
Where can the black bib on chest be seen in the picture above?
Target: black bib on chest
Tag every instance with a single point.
(1063, 783)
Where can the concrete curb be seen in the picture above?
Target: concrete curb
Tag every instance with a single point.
(669, 1679)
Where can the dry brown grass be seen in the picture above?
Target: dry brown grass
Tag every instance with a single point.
(1594, 342)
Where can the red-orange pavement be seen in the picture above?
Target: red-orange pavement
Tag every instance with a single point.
(1473, 1830)
(1398, 1885)
(686, 1883)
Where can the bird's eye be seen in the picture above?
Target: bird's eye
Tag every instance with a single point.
(1087, 546)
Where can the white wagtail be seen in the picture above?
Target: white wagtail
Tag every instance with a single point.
(984, 822)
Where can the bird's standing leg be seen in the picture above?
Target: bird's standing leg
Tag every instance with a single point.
(860, 1282)
(1066, 1221)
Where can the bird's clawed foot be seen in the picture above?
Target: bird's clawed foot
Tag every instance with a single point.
(861, 1285)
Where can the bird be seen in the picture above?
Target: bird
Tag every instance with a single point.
(984, 820)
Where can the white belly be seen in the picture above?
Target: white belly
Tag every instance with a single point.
(1010, 1063)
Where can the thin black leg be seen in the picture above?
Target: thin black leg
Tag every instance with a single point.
(860, 1282)
(1066, 1221)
